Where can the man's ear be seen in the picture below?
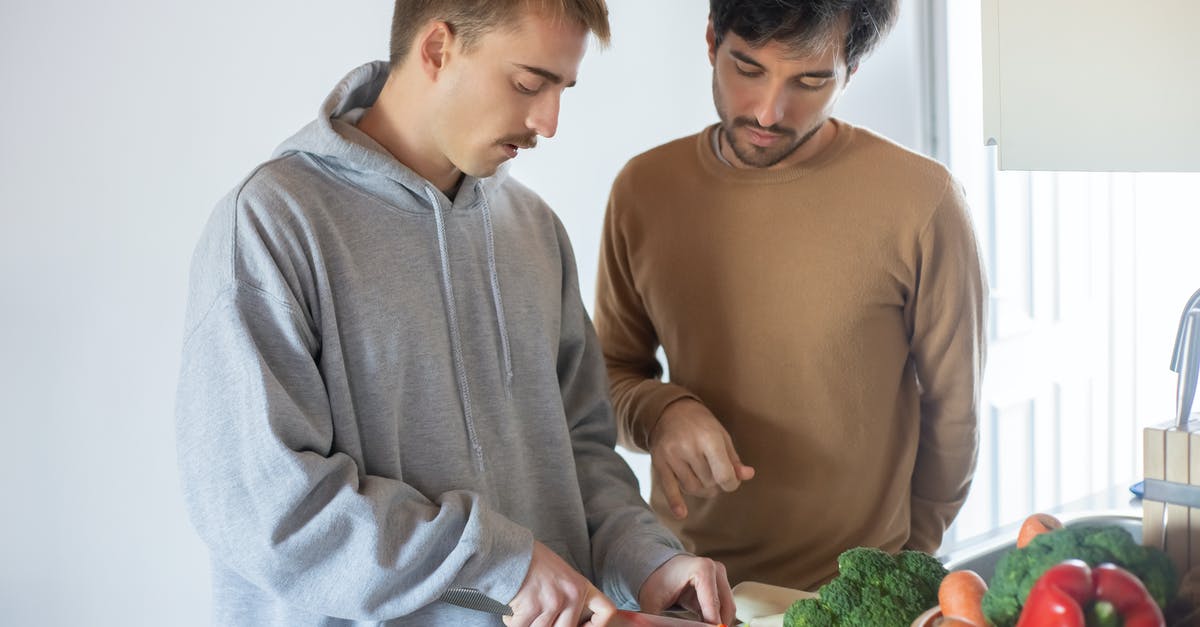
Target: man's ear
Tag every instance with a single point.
(434, 48)
(710, 36)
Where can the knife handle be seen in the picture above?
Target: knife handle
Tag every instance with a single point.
(473, 599)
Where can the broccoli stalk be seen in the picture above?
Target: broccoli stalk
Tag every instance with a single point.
(873, 588)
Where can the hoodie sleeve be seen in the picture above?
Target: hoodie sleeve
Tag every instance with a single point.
(264, 485)
(628, 543)
(947, 322)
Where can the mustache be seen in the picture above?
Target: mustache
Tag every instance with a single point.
(523, 142)
(774, 128)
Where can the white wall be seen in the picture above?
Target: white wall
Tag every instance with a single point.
(122, 123)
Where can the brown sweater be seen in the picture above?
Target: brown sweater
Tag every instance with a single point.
(801, 306)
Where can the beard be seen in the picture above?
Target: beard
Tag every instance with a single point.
(760, 156)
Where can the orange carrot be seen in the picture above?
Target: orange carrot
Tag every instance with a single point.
(1034, 526)
(961, 596)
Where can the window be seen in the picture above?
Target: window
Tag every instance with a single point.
(1088, 274)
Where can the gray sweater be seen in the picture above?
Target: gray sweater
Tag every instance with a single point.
(385, 394)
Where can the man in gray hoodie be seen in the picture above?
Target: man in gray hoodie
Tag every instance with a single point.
(390, 387)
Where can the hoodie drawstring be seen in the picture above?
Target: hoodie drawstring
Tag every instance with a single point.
(497, 301)
(460, 366)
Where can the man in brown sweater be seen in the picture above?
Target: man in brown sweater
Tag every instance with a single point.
(817, 291)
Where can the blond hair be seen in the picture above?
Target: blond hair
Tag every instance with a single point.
(470, 19)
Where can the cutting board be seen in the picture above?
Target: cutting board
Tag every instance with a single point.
(764, 604)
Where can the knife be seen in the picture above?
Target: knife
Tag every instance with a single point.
(473, 599)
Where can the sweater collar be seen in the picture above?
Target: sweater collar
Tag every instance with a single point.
(716, 166)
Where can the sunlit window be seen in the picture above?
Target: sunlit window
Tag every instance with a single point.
(1089, 273)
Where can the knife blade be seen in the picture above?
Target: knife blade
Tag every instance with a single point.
(627, 618)
(473, 599)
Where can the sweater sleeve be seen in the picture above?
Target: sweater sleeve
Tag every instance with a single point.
(628, 543)
(264, 484)
(627, 333)
(949, 350)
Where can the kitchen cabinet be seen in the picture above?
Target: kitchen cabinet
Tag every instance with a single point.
(1095, 85)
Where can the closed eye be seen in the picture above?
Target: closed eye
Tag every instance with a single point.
(746, 70)
(526, 89)
(811, 82)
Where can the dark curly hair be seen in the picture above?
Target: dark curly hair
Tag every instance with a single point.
(805, 24)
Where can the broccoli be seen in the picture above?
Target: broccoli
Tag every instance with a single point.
(1018, 569)
(873, 588)
(928, 571)
(810, 612)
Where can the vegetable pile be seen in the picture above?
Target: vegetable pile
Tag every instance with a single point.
(873, 588)
(1057, 576)
(1019, 569)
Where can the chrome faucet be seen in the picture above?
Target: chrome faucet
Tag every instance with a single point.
(1186, 359)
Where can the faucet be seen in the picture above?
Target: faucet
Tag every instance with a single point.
(1186, 359)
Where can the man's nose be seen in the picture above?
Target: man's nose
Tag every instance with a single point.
(543, 117)
(771, 108)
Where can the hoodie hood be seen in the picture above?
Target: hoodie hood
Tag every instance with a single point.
(334, 139)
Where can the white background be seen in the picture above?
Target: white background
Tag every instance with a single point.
(121, 124)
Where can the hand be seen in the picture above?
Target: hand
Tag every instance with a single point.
(554, 594)
(692, 453)
(697, 583)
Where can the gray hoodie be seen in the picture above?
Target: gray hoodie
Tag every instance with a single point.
(385, 394)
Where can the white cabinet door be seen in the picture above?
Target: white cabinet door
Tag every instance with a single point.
(1096, 85)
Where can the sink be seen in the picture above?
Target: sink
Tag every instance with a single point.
(982, 556)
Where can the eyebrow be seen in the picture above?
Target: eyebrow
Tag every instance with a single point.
(546, 74)
(745, 58)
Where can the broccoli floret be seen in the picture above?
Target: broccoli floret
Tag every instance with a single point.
(1158, 575)
(999, 608)
(1018, 569)
(841, 594)
(808, 613)
(881, 607)
(1115, 541)
(1152, 566)
(865, 564)
(873, 588)
(925, 568)
(909, 591)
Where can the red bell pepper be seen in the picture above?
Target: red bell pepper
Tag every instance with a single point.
(1067, 593)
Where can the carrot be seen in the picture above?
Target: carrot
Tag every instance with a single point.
(961, 596)
(1034, 526)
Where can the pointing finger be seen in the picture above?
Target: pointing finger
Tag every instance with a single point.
(670, 489)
